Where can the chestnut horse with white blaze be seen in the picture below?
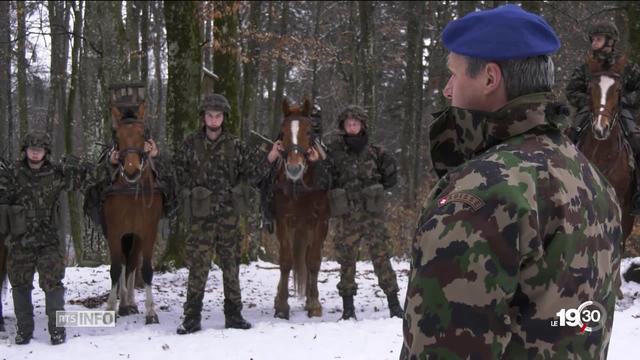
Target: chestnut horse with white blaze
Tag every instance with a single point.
(132, 207)
(301, 212)
(604, 142)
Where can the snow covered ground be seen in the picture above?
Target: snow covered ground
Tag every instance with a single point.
(372, 336)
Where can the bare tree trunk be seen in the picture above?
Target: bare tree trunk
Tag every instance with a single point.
(368, 63)
(22, 68)
(58, 18)
(183, 92)
(280, 74)
(355, 56)
(250, 85)
(158, 30)
(413, 52)
(133, 35)
(144, 41)
(226, 60)
(314, 62)
(75, 218)
(6, 120)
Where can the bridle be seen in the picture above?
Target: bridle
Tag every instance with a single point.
(132, 150)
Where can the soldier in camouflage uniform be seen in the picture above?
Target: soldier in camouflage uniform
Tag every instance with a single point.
(5, 181)
(209, 169)
(604, 55)
(34, 243)
(520, 224)
(361, 171)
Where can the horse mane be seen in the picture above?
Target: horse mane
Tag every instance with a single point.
(596, 67)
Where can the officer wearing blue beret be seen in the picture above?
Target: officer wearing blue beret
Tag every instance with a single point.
(501, 245)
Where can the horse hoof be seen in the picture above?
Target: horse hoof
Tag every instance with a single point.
(133, 309)
(314, 313)
(281, 315)
(124, 311)
(151, 319)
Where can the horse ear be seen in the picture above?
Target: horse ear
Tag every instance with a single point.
(285, 107)
(116, 115)
(140, 114)
(306, 108)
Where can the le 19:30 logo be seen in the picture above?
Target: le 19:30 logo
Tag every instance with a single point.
(589, 316)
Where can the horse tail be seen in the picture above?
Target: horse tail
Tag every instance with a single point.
(300, 271)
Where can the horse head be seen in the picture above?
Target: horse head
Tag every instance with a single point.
(297, 139)
(127, 113)
(605, 95)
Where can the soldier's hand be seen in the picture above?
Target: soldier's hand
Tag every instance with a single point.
(151, 148)
(276, 149)
(113, 158)
(313, 155)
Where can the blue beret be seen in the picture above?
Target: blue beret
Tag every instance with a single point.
(506, 32)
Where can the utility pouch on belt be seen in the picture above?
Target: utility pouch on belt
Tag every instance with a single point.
(240, 197)
(4, 219)
(338, 202)
(200, 202)
(374, 198)
(17, 220)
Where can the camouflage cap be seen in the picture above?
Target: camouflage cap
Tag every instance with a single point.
(127, 98)
(604, 28)
(215, 102)
(353, 112)
(37, 138)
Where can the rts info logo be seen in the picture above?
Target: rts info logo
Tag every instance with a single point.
(589, 316)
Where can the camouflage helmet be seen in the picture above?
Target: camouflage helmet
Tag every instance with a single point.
(37, 138)
(215, 102)
(604, 28)
(353, 112)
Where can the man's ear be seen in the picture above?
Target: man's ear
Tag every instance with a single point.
(493, 77)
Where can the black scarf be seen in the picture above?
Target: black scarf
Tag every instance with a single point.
(356, 142)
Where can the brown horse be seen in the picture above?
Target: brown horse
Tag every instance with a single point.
(132, 209)
(301, 213)
(604, 143)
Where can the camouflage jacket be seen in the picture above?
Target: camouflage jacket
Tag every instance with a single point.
(38, 192)
(519, 226)
(577, 89)
(355, 171)
(218, 166)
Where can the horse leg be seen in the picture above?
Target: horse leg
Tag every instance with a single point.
(281, 302)
(151, 317)
(314, 259)
(116, 272)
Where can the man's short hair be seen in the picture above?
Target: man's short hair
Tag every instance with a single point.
(520, 76)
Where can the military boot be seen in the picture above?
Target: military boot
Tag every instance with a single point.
(2, 329)
(395, 310)
(23, 308)
(190, 325)
(348, 310)
(54, 301)
(233, 318)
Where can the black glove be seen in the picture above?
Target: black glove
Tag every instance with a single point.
(630, 100)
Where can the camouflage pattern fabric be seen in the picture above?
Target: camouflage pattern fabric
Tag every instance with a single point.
(519, 226)
(40, 247)
(217, 166)
(223, 237)
(353, 230)
(354, 172)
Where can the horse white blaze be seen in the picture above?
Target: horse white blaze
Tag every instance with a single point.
(605, 83)
(295, 127)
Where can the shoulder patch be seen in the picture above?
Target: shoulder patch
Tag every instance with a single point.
(469, 199)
